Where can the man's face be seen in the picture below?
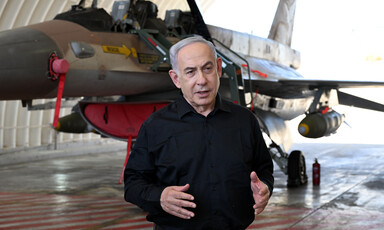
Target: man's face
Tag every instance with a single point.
(198, 77)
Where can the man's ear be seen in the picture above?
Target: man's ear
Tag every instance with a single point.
(175, 78)
(219, 63)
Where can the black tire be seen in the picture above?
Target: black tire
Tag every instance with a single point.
(297, 172)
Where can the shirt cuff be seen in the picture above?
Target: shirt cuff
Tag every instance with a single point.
(154, 200)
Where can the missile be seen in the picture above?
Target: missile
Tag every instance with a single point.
(73, 123)
(317, 124)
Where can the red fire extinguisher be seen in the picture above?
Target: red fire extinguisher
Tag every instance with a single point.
(316, 173)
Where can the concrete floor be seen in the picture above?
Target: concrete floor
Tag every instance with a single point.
(82, 192)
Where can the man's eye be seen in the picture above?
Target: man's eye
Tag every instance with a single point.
(208, 69)
(189, 73)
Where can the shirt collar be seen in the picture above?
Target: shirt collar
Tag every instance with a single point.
(183, 107)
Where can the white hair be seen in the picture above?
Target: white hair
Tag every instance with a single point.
(174, 51)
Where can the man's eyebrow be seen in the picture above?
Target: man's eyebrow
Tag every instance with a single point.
(193, 68)
(188, 69)
(208, 63)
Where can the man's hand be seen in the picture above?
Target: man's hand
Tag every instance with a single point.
(174, 198)
(260, 193)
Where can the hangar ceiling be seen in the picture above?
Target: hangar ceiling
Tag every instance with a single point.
(20, 128)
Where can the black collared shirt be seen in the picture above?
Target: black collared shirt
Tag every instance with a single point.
(214, 154)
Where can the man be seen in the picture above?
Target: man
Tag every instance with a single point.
(196, 163)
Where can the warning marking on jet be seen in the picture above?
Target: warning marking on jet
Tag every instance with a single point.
(118, 50)
(147, 58)
(134, 52)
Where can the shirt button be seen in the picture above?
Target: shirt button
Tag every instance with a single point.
(214, 188)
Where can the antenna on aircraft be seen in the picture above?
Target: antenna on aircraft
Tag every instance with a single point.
(81, 3)
(201, 27)
(94, 4)
(80, 6)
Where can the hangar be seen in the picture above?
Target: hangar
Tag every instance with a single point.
(349, 195)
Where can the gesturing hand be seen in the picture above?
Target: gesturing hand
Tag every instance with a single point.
(260, 193)
(174, 198)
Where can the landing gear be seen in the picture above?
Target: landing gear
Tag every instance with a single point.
(296, 169)
(275, 134)
(292, 165)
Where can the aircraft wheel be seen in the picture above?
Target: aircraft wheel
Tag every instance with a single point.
(297, 174)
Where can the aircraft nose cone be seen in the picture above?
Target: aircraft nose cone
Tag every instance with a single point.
(24, 64)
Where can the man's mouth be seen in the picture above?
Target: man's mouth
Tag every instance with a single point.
(202, 93)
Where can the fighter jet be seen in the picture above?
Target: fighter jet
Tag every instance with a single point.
(118, 65)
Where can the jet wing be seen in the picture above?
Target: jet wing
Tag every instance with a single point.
(307, 85)
(351, 100)
(282, 81)
(300, 88)
(332, 84)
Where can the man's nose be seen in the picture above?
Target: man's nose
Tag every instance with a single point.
(201, 78)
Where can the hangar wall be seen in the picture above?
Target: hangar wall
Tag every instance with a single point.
(20, 128)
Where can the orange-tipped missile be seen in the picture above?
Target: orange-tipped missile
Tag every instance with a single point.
(317, 125)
